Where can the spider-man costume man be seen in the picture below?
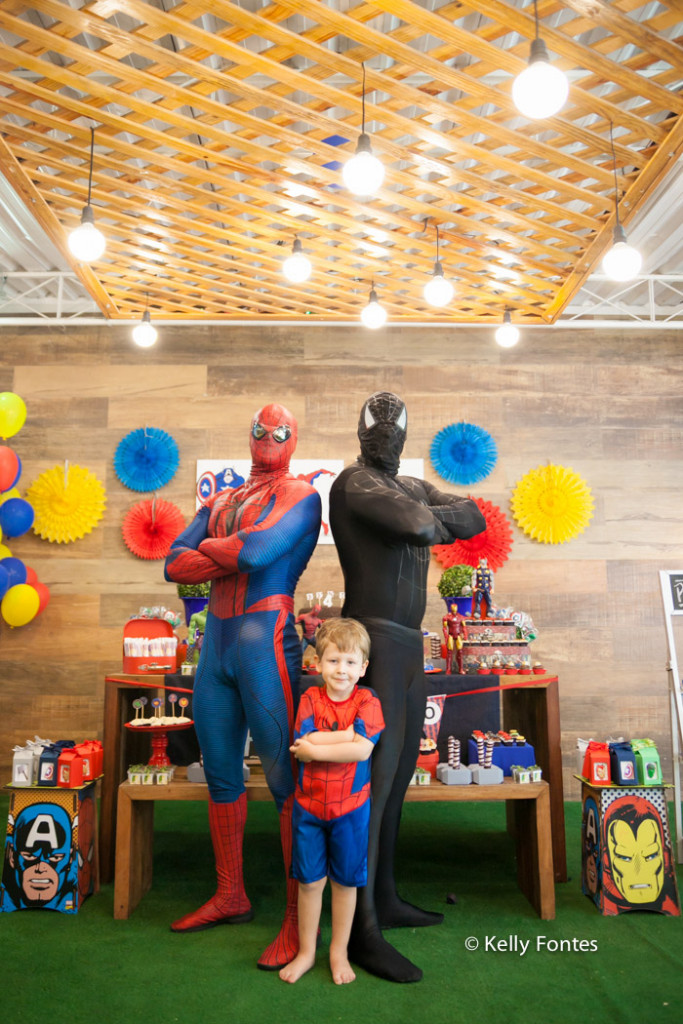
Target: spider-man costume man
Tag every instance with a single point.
(253, 542)
(383, 526)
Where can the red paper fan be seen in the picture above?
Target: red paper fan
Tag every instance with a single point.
(150, 527)
(494, 544)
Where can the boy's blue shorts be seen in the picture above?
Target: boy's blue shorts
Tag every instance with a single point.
(337, 849)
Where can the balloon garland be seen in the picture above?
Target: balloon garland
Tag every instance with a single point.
(494, 543)
(463, 453)
(552, 504)
(69, 502)
(22, 596)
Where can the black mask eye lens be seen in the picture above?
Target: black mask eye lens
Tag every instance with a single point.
(282, 433)
(258, 432)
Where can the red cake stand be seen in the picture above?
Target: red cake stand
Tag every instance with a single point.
(159, 735)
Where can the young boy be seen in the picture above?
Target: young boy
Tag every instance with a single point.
(336, 729)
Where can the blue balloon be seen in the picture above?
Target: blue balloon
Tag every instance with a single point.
(15, 569)
(16, 479)
(16, 517)
(4, 581)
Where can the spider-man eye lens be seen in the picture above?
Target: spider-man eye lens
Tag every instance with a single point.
(282, 433)
(258, 432)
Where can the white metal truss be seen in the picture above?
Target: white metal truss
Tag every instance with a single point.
(651, 302)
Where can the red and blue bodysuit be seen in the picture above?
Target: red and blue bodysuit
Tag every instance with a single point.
(253, 543)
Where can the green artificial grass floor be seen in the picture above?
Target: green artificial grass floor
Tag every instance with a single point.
(87, 968)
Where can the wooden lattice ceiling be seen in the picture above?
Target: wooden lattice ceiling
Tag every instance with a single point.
(221, 127)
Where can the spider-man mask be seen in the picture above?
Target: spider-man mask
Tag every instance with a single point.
(272, 440)
(382, 431)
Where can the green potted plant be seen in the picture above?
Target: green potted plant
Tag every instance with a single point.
(456, 585)
(195, 597)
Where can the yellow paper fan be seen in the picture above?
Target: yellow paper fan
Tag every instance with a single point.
(552, 504)
(68, 502)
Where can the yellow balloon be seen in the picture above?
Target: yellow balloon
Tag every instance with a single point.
(5, 551)
(20, 604)
(12, 414)
(6, 495)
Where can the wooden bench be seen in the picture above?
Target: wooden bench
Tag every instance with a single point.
(528, 807)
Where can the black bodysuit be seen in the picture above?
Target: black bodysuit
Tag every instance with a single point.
(383, 526)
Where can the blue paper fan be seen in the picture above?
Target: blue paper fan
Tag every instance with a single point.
(146, 459)
(463, 453)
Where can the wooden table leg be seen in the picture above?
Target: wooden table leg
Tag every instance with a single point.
(535, 712)
(111, 742)
(533, 837)
(134, 853)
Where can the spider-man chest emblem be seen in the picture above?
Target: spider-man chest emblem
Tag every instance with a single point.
(240, 510)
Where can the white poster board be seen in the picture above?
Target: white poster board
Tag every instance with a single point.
(671, 582)
(215, 475)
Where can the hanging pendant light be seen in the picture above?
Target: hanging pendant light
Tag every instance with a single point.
(622, 262)
(373, 315)
(297, 267)
(438, 291)
(145, 333)
(363, 174)
(507, 334)
(540, 90)
(86, 242)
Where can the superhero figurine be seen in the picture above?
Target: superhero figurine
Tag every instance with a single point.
(383, 526)
(39, 870)
(482, 589)
(309, 622)
(253, 543)
(452, 625)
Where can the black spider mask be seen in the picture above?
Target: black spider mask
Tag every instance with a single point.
(382, 431)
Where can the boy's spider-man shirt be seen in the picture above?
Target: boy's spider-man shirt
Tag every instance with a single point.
(324, 788)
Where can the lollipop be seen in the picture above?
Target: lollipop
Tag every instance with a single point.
(453, 752)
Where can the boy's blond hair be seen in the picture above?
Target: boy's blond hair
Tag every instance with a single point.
(347, 634)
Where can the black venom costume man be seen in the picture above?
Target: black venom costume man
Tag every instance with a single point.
(383, 525)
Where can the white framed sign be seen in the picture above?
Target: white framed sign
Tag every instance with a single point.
(216, 475)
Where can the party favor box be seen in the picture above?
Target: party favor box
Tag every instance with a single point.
(626, 851)
(50, 860)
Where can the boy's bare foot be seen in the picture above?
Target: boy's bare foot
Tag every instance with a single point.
(342, 971)
(298, 967)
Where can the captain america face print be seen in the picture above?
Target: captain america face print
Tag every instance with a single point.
(38, 858)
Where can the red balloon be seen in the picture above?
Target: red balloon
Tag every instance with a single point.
(9, 467)
(43, 595)
(31, 576)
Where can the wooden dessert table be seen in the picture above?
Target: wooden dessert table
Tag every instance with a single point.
(528, 807)
(531, 707)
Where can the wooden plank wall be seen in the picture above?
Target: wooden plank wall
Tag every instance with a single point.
(608, 404)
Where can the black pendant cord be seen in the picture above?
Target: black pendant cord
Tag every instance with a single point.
(92, 154)
(363, 102)
(614, 168)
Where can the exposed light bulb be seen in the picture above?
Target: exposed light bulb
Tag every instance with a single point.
(86, 242)
(363, 174)
(144, 333)
(297, 267)
(438, 291)
(622, 262)
(540, 90)
(507, 334)
(373, 315)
